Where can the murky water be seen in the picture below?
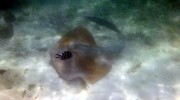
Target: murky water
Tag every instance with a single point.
(147, 68)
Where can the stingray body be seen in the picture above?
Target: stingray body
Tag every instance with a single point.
(80, 60)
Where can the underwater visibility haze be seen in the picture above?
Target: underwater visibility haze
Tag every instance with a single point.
(89, 50)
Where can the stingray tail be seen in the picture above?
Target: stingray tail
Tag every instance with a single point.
(105, 23)
(115, 48)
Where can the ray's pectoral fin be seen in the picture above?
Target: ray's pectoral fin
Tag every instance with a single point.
(98, 72)
(93, 70)
(78, 34)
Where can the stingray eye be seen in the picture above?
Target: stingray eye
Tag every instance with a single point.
(65, 55)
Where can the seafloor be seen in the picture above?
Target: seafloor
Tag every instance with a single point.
(148, 68)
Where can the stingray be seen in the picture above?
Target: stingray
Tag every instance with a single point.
(79, 60)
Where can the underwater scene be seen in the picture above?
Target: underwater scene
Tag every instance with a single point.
(90, 50)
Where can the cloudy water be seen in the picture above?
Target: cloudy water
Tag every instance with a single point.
(133, 53)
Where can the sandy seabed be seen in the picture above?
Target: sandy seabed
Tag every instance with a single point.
(143, 72)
